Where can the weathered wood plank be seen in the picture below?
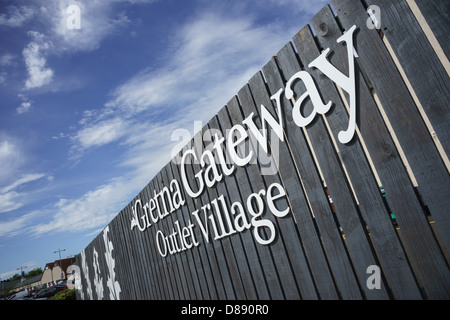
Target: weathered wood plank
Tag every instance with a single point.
(222, 249)
(142, 258)
(198, 277)
(238, 187)
(152, 251)
(230, 244)
(131, 268)
(118, 260)
(164, 226)
(365, 186)
(299, 206)
(334, 178)
(437, 16)
(283, 250)
(127, 292)
(176, 260)
(193, 205)
(390, 169)
(265, 252)
(137, 262)
(162, 269)
(316, 194)
(418, 62)
(213, 248)
(208, 290)
(187, 259)
(412, 134)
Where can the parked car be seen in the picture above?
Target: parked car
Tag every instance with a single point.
(46, 293)
(19, 295)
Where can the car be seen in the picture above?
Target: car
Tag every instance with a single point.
(19, 295)
(46, 293)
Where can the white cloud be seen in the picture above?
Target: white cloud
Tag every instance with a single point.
(94, 209)
(303, 6)
(11, 157)
(10, 199)
(27, 178)
(16, 226)
(35, 61)
(16, 16)
(7, 60)
(101, 133)
(24, 107)
(212, 57)
(98, 21)
(209, 61)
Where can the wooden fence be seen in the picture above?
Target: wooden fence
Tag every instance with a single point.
(368, 219)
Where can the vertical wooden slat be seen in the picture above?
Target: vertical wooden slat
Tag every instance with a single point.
(192, 205)
(240, 272)
(119, 258)
(201, 261)
(133, 267)
(122, 261)
(223, 253)
(413, 136)
(288, 177)
(418, 61)
(236, 291)
(194, 259)
(365, 186)
(169, 228)
(400, 194)
(185, 258)
(266, 258)
(289, 259)
(139, 258)
(238, 187)
(171, 219)
(152, 252)
(312, 183)
(437, 16)
(335, 180)
(167, 261)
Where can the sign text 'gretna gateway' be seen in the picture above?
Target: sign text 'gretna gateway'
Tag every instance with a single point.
(216, 219)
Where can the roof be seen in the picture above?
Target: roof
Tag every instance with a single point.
(64, 263)
(27, 281)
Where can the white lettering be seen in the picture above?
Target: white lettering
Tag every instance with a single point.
(346, 83)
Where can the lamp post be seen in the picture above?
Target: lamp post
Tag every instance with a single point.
(60, 265)
(21, 272)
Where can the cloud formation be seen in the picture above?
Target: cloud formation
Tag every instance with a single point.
(34, 56)
(16, 16)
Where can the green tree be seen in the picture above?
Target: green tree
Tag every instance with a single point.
(15, 277)
(34, 272)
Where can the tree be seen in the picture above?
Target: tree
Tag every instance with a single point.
(15, 277)
(34, 272)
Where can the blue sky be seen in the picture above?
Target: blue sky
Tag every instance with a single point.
(88, 116)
